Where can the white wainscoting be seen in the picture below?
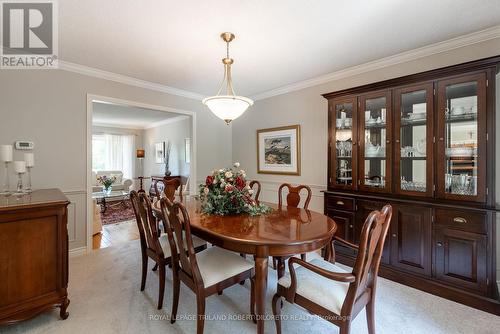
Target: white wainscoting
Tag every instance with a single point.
(77, 220)
(269, 193)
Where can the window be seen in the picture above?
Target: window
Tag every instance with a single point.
(113, 152)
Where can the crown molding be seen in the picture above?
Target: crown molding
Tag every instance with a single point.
(118, 126)
(101, 74)
(145, 127)
(166, 121)
(407, 56)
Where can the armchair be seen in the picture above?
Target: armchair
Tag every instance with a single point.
(329, 291)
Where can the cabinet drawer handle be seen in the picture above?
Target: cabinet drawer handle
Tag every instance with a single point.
(439, 244)
(459, 220)
(340, 203)
(351, 226)
(394, 235)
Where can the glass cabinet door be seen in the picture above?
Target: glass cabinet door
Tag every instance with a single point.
(462, 138)
(343, 145)
(375, 153)
(413, 135)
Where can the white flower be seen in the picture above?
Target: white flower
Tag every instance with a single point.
(206, 190)
(236, 164)
(228, 174)
(221, 170)
(222, 184)
(215, 180)
(247, 187)
(250, 191)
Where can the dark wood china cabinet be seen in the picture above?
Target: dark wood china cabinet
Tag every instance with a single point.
(424, 143)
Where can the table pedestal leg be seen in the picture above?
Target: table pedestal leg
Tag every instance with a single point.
(260, 291)
(103, 205)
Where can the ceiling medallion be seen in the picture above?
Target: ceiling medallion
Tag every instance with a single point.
(226, 105)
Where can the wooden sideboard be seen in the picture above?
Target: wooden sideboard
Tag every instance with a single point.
(424, 143)
(33, 255)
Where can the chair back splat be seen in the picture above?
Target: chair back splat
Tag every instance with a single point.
(169, 187)
(257, 192)
(146, 221)
(180, 237)
(293, 196)
(371, 247)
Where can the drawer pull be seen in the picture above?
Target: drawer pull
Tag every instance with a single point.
(340, 203)
(439, 244)
(394, 235)
(459, 220)
(351, 226)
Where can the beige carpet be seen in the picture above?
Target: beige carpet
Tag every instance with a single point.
(105, 298)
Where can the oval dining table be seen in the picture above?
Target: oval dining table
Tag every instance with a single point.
(283, 232)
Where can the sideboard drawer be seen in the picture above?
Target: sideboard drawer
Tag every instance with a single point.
(462, 220)
(341, 203)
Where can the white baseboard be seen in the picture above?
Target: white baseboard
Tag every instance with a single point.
(77, 251)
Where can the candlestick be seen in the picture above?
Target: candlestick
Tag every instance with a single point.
(6, 185)
(20, 166)
(30, 159)
(28, 189)
(6, 153)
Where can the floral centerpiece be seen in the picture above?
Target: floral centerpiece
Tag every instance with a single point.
(226, 192)
(106, 182)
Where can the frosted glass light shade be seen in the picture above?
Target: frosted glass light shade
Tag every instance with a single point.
(227, 107)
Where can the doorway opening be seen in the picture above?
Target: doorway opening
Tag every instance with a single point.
(129, 145)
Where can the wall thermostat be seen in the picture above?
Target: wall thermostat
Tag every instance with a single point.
(24, 145)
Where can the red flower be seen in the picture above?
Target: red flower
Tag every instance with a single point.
(240, 183)
(229, 188)
(209, 181)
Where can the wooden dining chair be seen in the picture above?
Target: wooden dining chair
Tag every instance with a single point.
(292, 199)
(169, 188)
(153, 245)
(205, 273)
(335, 294)
(256, 192)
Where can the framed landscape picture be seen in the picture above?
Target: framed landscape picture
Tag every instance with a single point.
(278, 150)
(160, 153)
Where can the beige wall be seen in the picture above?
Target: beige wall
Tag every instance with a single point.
(49, 107)
(309, 109)
(175, 133)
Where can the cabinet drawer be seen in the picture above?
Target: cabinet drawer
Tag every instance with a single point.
(341, 203)
(462, 220)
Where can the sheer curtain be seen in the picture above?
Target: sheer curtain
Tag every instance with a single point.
(118, 153)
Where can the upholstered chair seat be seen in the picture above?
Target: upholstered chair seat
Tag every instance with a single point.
(217, 265)
(319, 289)
(165, 246)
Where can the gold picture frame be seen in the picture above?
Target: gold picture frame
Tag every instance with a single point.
(278, 150)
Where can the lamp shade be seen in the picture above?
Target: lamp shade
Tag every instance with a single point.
(140, 154)
(227, 107)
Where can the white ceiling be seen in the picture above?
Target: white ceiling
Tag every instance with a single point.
(112, 115)
(279, 42)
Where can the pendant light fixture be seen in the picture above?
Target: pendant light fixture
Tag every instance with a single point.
(226, 105)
